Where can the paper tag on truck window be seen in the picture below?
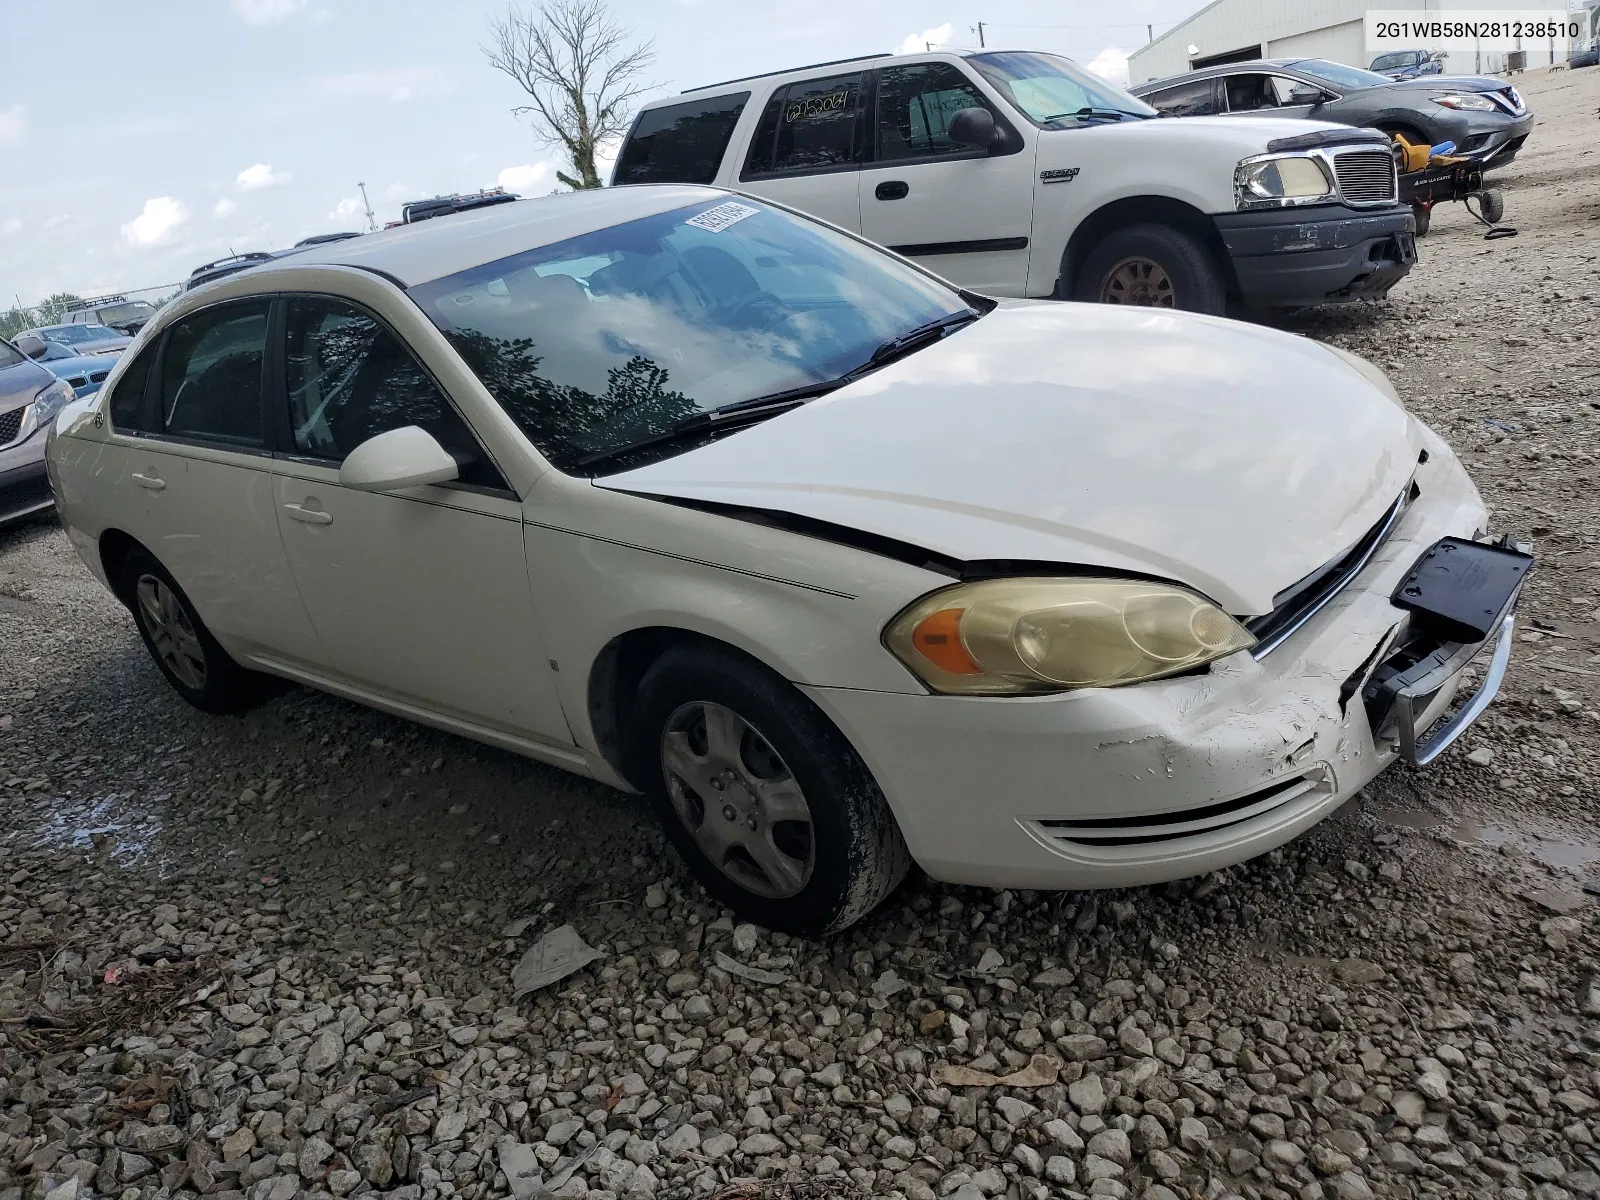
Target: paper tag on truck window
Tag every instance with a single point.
(715, 220)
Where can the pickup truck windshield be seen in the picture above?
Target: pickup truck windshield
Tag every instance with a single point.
(1053, 91)
(616, 336)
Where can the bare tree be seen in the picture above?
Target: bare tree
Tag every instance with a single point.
(580, 69)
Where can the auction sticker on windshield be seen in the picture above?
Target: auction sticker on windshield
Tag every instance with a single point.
(719, 218)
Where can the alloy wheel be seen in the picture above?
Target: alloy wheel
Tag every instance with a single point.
(171, 631)
(1139, 281)
(738, 800)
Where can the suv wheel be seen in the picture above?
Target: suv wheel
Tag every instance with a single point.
(1153, 266)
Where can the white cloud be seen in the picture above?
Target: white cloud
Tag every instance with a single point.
(917, 43)
(397, 191)
(266, 12)
(394, 84)
(261, 175)
(1111, 64)
(523, 178)
(10, 225)
(348, 207)
(156, 223)
(224, 208)
(13, 125)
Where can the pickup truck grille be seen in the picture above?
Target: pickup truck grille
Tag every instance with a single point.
(10, 422)
(1366, 176)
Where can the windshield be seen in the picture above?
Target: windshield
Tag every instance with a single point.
(79, 334)
(1339, 75)
(1048, 89)
(9, 356)
(1387, 62)
(122, 314)
(617, 335)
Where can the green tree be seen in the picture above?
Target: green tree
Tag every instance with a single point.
(581, 71)
(53, 310)
(14, 321)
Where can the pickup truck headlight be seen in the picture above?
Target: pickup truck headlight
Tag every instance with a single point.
(1468, 100)
(46, 405)
(1007, 637)
(1280, 181)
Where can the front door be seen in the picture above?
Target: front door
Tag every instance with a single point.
(1254, 94)
(804, 151)
(421, 596)
(189, 456)
(960, 211)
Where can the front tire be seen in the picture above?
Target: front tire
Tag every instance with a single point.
(765, 800)
(196, 666)
(1152, 266)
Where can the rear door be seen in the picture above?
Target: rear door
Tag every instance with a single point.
(964, 212)
(807, 147)
(1196, 98)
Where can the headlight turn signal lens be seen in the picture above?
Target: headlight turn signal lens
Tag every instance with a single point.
(1026, 636)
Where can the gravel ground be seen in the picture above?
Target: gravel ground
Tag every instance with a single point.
(263, 957)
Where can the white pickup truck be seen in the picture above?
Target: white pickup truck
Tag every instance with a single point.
(1017, 173)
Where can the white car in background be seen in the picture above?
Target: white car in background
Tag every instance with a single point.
(840, 565)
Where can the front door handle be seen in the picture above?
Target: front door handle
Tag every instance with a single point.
(311, 516)
(152, 483)
(892, 189)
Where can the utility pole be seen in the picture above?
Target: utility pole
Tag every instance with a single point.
(372, 223)
(981, 42)
(1149, 33)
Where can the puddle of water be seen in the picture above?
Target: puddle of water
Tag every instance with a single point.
(1556, 846)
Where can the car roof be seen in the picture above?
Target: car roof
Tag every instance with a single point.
(431, 249)
(787, 74)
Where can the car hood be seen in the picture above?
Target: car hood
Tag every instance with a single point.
(1226, 134)
(20, 383)
(1234, 459)
(79, 364)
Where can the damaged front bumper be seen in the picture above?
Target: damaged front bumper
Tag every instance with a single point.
(1284, 258)
(1127, 786)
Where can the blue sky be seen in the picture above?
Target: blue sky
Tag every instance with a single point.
(139, 140)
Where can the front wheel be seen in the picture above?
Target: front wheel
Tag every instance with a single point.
(1152, 266)
(764, 799)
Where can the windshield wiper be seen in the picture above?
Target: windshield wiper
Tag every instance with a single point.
(1089, 114)
(725, 416)
(914, 340)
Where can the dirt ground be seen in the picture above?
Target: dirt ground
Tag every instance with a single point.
(270, 956)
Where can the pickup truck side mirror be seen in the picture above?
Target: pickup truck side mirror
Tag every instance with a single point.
(30, 344)
(974, 127)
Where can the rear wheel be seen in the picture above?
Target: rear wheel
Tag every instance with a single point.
(195, 665)
(1423, 214)
(1152, 266)
(764, 799)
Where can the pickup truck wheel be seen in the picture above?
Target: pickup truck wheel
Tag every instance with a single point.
(1153, 266)
(765, 800)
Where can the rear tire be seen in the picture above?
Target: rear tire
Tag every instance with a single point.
(719, 744)
(194, 664)
(1152, 266)
(1424, 217)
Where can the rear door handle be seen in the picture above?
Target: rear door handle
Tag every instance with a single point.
(153, 483)
(892, 189)
(311, 516)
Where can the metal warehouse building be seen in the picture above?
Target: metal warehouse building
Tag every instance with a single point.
(1235, 30)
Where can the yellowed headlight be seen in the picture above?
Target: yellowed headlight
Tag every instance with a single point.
(1023, 636)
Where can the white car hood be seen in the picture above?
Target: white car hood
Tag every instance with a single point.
(1231, 458)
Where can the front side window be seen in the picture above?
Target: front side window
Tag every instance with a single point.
(915, 104)
(1049, 90)
(617, 335)
(1248, 92)
(681, 143)
(808, 126)
(350, 379)
(127, 398)
(1196, 98)
(211, 375)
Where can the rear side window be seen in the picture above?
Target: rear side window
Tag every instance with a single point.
(808, 126)
(1196, 99)
(681, 143)
(127, 399)
(211, 375)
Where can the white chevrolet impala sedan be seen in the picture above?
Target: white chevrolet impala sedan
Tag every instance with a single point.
(840, 566)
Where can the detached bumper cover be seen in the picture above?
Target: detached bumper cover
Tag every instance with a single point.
(1289, 257)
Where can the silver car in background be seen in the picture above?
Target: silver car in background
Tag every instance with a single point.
(30, 398)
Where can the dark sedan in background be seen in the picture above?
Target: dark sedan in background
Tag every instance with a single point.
(1483, 116)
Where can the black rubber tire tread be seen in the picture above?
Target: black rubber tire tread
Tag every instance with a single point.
(860, 854)
(229, 688)
(1492, 203)
(1423, 215)
(1197, 282)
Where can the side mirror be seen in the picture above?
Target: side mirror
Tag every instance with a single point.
(402, 458)
(30, 344)
(973, 127)
(1305, 93)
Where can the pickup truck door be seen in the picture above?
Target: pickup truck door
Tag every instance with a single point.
(964, 212)
(805, 149)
